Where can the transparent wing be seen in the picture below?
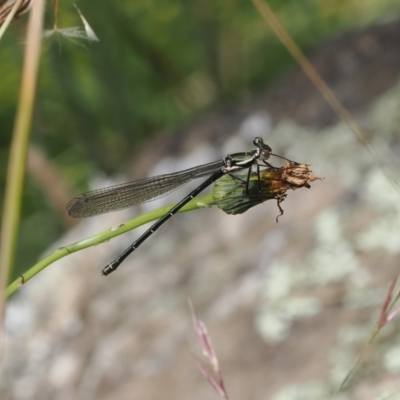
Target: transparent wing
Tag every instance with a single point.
(129, 194)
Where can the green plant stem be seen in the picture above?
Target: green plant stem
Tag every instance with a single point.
(199, 202)
(19, 146)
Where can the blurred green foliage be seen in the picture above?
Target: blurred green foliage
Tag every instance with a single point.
(157, 65)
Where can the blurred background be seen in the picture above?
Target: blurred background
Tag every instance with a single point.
(168, 86)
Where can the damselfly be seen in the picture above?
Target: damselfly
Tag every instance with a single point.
(134, 193)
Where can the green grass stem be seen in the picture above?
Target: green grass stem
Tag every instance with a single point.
(199, 202)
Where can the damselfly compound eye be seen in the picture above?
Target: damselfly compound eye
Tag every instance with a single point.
(258, 141)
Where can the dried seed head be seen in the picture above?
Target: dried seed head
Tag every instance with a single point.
(236, 193)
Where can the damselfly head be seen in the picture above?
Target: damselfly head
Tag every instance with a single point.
(265, 150)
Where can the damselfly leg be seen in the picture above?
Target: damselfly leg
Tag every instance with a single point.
(134, 193)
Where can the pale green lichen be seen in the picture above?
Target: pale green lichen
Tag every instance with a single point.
(391, 360)
(384, 230)
(333, 258)
(384, 116)
(315, 390)
(369, 297)
(331, 261)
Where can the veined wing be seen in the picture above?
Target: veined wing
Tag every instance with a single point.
(129, 194)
